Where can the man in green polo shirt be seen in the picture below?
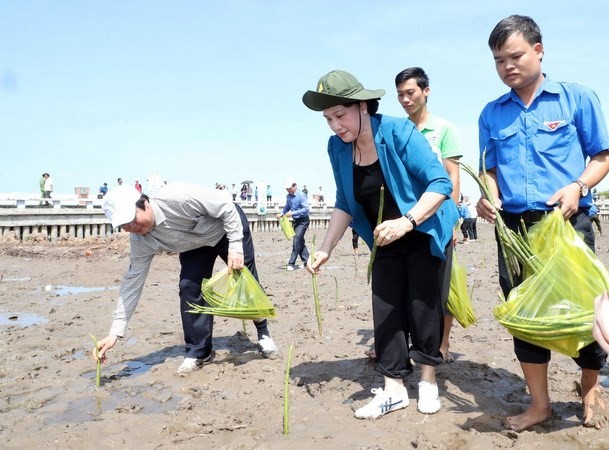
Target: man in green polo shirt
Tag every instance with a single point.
(43, 180)
(412, 86)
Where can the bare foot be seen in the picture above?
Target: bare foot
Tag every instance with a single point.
(532, 416)
(595, 413)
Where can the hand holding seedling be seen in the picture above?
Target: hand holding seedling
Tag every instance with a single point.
(103, 345)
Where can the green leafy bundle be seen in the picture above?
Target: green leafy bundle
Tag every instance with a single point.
(234, 294)
(286, 227)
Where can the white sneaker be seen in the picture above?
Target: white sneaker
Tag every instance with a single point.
(429, 399)
(268, 348)
(290, 267)
(382, 403)
(191, 364)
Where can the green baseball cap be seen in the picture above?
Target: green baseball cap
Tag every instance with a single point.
(338, 88)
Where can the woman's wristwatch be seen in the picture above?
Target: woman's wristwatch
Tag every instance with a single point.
(412, 221)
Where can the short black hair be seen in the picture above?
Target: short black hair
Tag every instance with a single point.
(514, 24)
(413, 72)
(140, 203)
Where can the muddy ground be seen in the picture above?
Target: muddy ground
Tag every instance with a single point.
(54, 295)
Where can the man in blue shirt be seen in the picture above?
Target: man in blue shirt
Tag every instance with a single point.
(297, 207)
(466, 224)
(535, 141)
(103, 190)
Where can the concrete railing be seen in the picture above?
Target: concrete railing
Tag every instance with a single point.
(84, 222)
(55, 203)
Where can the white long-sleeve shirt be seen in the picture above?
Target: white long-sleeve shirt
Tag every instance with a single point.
(186, 217)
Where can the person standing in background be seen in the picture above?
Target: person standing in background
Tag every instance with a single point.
(466, 221)
(138, 186)
(413, 90)
(43, 179)
(297, 207)
(103, 190)
(48, 187)
(473, 214)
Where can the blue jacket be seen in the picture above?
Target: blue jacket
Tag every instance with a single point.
(410, 168)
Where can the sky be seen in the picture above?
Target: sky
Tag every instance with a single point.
(210, 91)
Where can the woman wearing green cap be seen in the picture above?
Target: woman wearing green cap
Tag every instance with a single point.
(371, 153)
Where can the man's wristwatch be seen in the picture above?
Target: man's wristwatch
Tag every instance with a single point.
(583, 188)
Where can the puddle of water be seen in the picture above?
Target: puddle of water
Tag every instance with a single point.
(21, 320)
(134, 368)
(17, 279)
(153, 399)
(117, 371)
(62, 290)
(78, 354)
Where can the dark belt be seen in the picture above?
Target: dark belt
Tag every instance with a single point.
(533, 216)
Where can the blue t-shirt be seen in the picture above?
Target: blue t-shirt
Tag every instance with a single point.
(537, 150)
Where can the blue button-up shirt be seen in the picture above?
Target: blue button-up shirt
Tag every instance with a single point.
(298, 204)
(539, 149)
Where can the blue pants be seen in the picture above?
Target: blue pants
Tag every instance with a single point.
(299, 247)
(196, 265)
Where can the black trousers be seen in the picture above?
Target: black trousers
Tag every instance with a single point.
(444, 275)
(406, 301)
(473, 230)
(466, 228)
(590, 357)
(196, 265)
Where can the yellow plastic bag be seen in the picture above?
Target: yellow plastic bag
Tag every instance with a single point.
(554, 307)
(236, 294)
(459, 303)
(286, 226)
